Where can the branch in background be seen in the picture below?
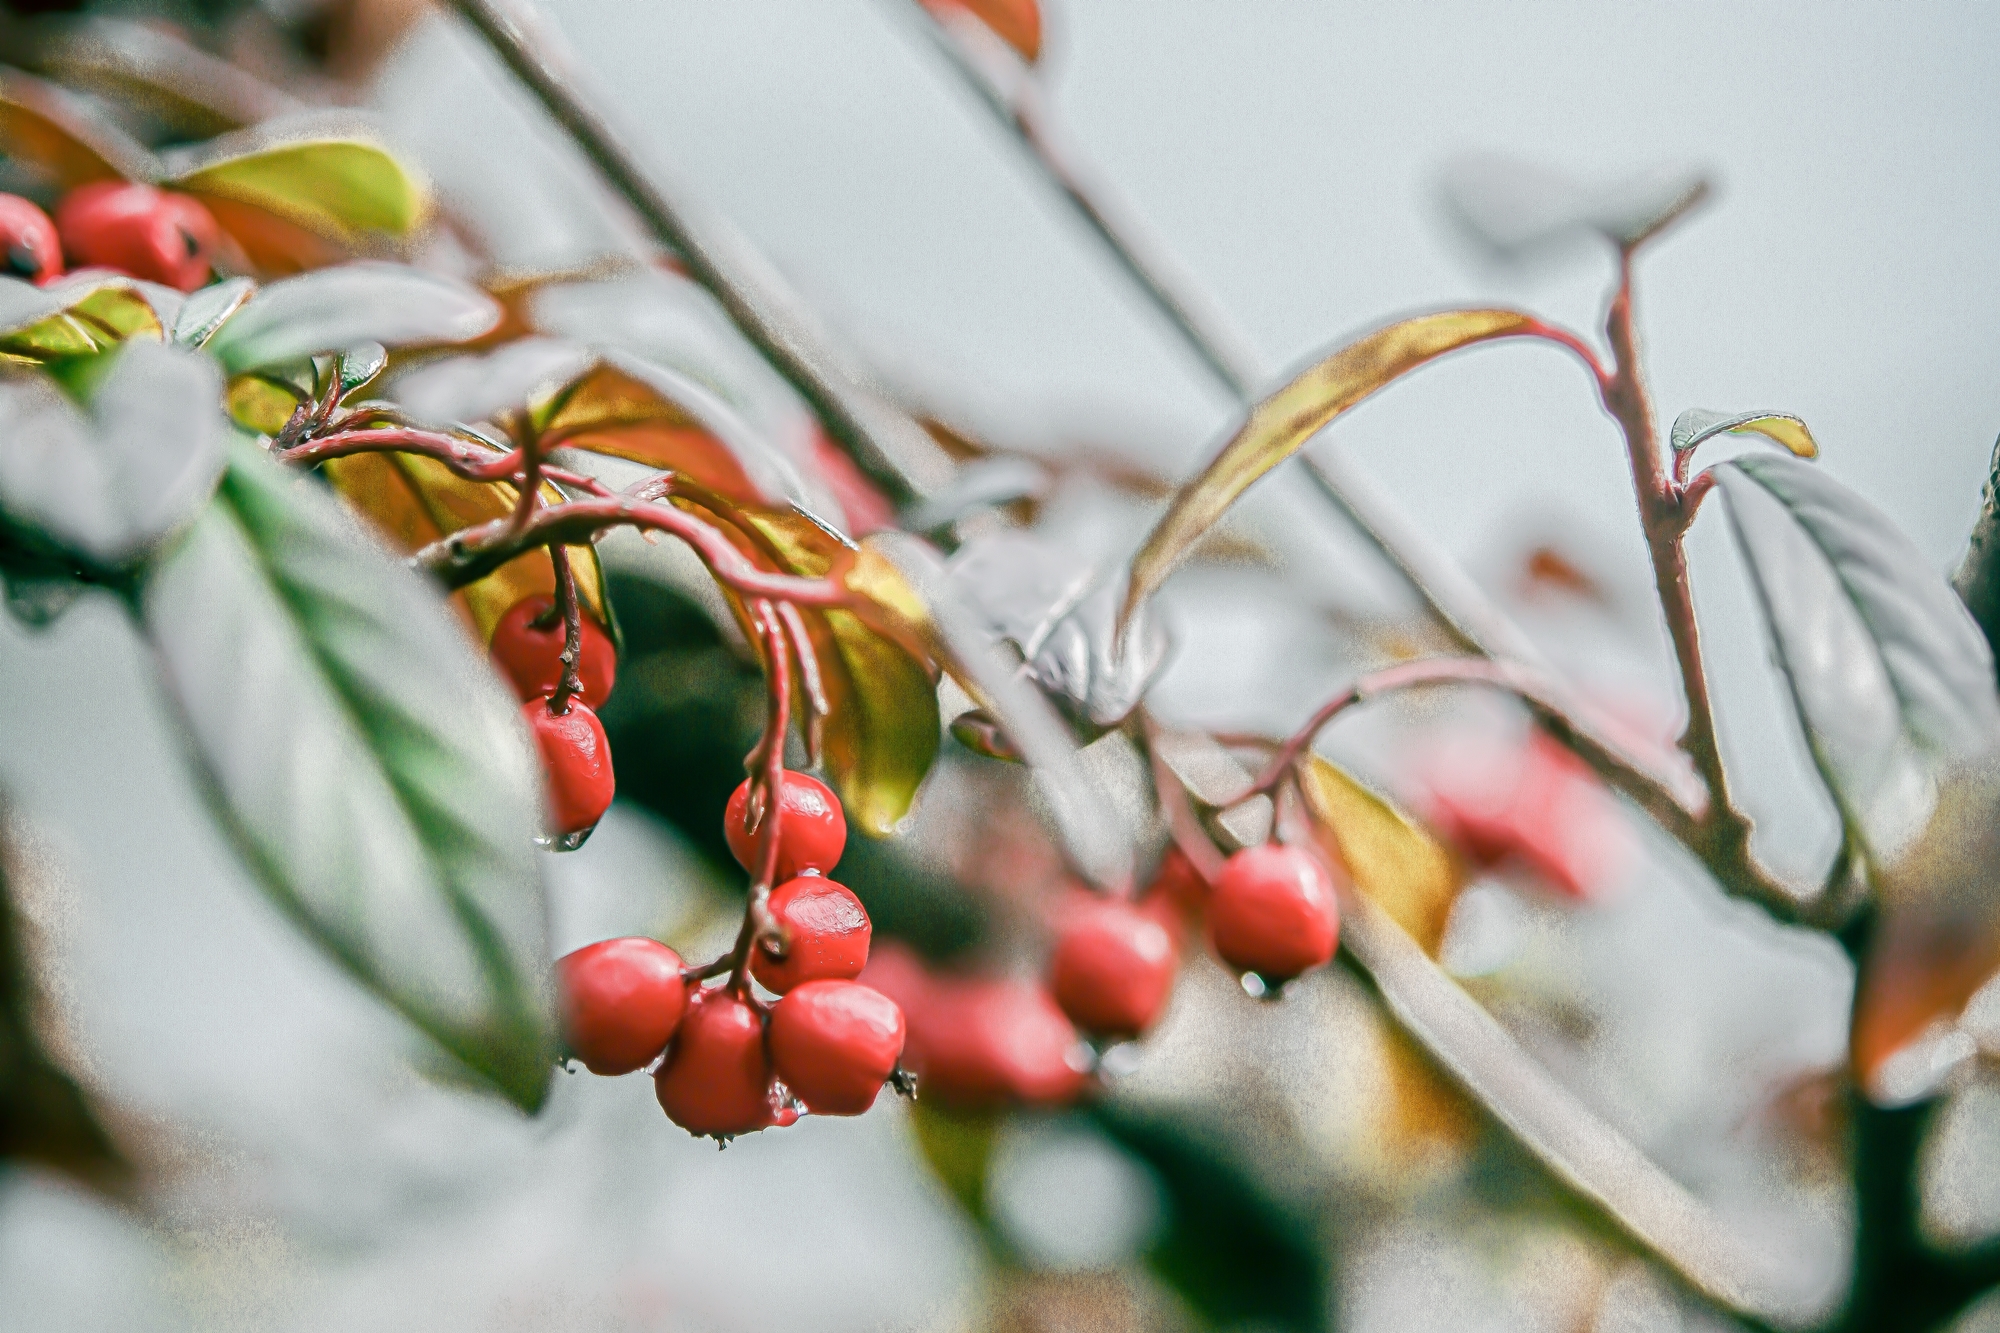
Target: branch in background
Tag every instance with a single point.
(884, 440)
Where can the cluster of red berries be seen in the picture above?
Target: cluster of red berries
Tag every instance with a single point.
(527, 646)
(724, 1062)
(125, 226)
(976, 1042)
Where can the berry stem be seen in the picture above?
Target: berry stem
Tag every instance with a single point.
(766, 764)
(468, 457)
(571, 683)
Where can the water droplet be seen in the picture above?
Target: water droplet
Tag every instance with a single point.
(1254, 987)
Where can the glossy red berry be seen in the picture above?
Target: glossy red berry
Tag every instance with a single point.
(529, 653)
(28, 243)
(826, 935)
(1112, 968)
(811, 837)
(1273, 912)
(621, 1001)
(577, 759)
(717, 1078)
(989, 1043)
(835, 1043)
(149, 233)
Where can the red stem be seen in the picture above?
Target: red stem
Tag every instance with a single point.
(571, 682)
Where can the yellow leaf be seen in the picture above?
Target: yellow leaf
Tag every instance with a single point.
(339, 188)
(1697, 424)
(260, 404)
(1279, 425)
(101, 318)
(1395, 863)
(415, 500)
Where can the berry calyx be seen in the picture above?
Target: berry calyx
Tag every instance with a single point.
(835, 1043)
(717, 1079)
(149, 233)
(1112, 968)
(1273, 912)
(621, 1001)
(810, 839)
(978, 1043)
(825, 931)
(29, 247)
(527, 646)
(577, 760)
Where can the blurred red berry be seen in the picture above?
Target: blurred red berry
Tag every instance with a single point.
(1536, 806)
(811, 838)
(826, 935)
(149, 233)
(530, 654)
(28, 240)
(1273, 912)
(1178, 883)
(835, 1043)
(577, 760)
(990, 1043)
(1112, 968)
(621, 1001)
(717, 1078)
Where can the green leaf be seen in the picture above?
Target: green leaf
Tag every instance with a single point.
(368, 763)
(74, 316)
(205, 310)
(336, 308)
(108, 484)
(1697, 424)
(339, 186)
(1282, 423)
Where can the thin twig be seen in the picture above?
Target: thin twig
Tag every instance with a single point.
(886, 442)
(571, 682)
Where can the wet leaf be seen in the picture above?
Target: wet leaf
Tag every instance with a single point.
(1399, 866)
(1282, 423)
(369, 766)
(337, 308)
(337, 186)
(1015, 22)
(207, 309)
(1893, 684)
(413, 501)
(44, 1116)
(1696, 424)
(49, 127)
(108, 482)
(1516, 207)
(72, 317)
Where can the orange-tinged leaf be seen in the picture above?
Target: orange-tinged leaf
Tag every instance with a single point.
(45, 125)
(1390, 859)
(268, 245)
(609, 410)
(1697, 424)
(1280, 425)
(337, 186)
(415, 500)
(1015, 22)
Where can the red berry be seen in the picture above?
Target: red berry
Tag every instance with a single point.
(28, 243)
(826, 935)
(577, 759)
(717, 1079)
(621, 1001)
(1273, 912)
(835, 1043)
(1539, 807)
(148, 233)
(530, 655)
(1113, 967)
(988, 1043)
(1177, 882)
(811, 838)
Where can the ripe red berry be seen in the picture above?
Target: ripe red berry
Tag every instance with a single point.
(1178, 883)
(530, 654)
(811, 838)
(1273, 912)
(835, 1043)
(1536, 806)
(577, 759)
(621, 1001)
(1113, 967)
(149, 233)
(987, 1043)
(826, 935)
(28, 243)
(717, 1079)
